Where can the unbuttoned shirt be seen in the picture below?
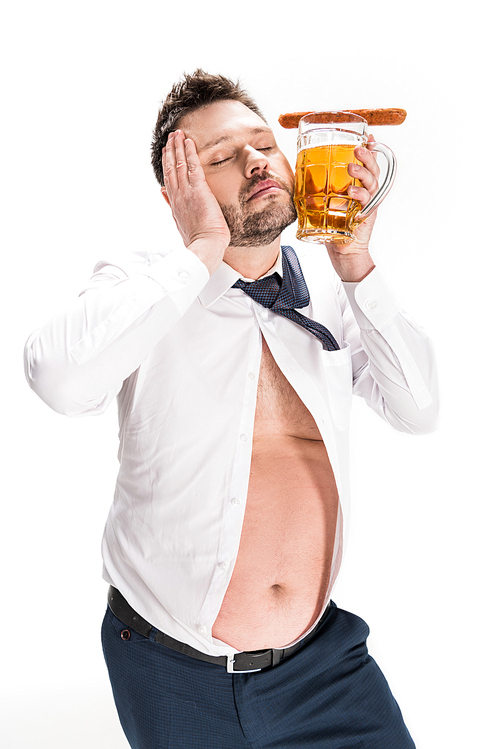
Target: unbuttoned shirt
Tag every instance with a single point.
(181, 350)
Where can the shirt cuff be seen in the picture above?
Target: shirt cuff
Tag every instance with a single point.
(372, 301)
(181, 274)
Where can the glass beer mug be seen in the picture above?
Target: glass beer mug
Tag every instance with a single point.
(325, 147)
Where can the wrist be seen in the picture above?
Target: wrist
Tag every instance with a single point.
(351, 267)
(209, 251)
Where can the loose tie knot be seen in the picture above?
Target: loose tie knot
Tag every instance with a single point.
(285, 296)
(265, 291)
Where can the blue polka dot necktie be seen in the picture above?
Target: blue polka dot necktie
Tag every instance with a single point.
(283, 297)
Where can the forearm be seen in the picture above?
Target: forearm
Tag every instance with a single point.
(394, 368)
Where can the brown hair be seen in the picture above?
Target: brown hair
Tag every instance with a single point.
(194, 91)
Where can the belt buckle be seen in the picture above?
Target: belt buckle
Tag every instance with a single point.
(230, 660)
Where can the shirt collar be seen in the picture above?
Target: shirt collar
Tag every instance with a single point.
(224, 278)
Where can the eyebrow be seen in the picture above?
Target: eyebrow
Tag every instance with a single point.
(223, 138)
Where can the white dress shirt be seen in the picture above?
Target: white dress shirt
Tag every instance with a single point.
(182, 350)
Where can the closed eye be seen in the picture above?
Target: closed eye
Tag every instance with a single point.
(223, 161)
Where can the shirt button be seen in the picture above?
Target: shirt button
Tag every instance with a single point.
(183, 274)
(235, 501)
(251, 376)
(370, 304)
(222, 566)
(201, 629)
(243, 437)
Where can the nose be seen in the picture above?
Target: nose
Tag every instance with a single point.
(256, 161)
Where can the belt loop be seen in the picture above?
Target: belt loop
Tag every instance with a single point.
(277, 656)
(153, 633)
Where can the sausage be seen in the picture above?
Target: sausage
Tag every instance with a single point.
(372, 116)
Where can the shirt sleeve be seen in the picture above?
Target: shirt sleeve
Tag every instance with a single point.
(393, 360)
(78, 361)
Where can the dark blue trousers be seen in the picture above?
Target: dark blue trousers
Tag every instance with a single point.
(330, 694)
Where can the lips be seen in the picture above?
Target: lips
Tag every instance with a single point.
(266, 187)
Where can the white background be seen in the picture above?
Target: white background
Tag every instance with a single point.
(82, 87)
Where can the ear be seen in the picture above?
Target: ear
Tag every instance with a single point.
(164, 193)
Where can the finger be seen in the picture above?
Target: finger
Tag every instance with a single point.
(196, 174)
(367, 179)
(360, 194)
(368, 159)
(168, 164)
(180, 159)
(371, 139)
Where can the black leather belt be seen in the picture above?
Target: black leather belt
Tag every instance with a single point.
(241, 662)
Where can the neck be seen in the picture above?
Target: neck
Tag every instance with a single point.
(253, 262)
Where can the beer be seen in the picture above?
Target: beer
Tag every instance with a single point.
(325, 148)
(325, 211)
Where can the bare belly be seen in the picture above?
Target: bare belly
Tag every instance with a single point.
(282, 571)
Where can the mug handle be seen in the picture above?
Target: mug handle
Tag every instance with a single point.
(386, 184)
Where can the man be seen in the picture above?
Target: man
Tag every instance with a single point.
(225, 536)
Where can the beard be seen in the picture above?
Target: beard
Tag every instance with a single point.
(257, 228)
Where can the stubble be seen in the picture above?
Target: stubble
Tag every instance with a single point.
(251, 228)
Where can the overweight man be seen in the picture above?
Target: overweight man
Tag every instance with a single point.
(234, 360)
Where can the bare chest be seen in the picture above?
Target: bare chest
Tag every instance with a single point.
(279, 410)
(282, 571)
